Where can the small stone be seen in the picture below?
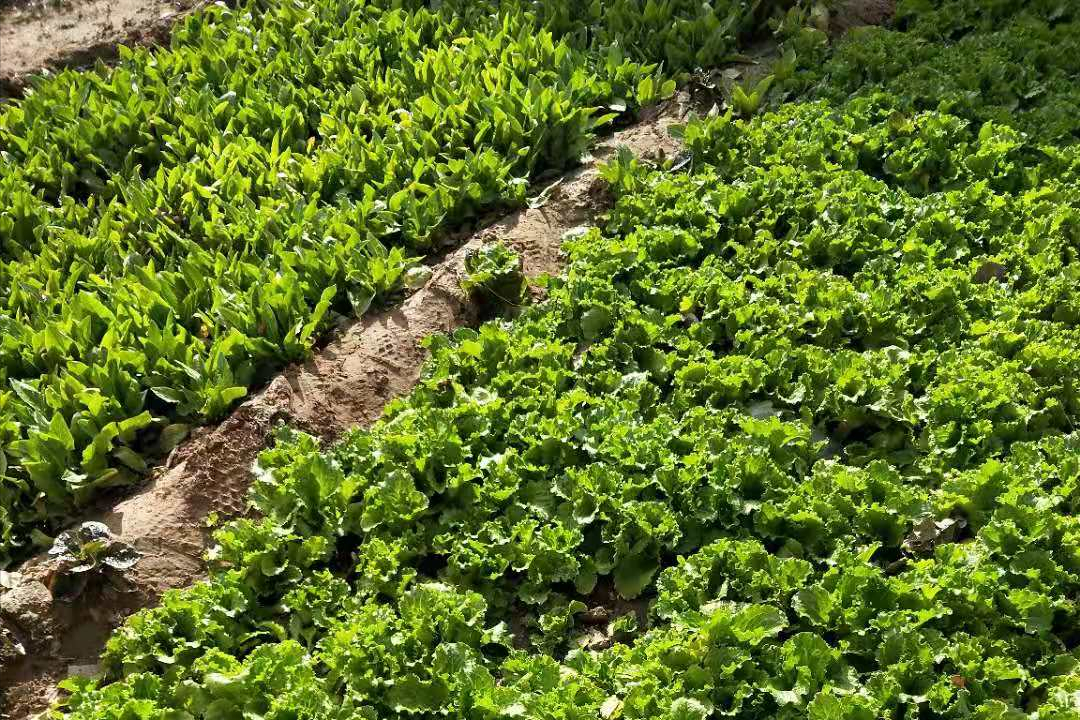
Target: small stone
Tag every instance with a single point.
(28, 607)
(26, 600)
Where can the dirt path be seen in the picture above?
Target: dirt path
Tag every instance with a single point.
(348, 382)
(37, 34)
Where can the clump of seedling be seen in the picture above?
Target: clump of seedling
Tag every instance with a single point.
(494, 278)
(86, 552)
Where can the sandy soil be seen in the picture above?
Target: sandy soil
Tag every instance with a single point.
(347, 382)
(50, 34)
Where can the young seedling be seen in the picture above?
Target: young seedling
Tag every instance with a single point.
(746, 100)
(494, 277)
(85, 552)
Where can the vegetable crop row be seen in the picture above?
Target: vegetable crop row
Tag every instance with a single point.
(802, 421)
(175, 228)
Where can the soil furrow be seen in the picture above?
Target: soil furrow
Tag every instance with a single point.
(346, 383)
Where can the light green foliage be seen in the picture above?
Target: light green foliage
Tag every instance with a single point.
(493, 275)
(747, 99)
(810, 407)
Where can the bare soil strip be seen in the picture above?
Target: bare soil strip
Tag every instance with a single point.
(347, 383)
(37, 35)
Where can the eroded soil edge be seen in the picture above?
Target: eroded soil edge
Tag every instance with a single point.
(41, 35)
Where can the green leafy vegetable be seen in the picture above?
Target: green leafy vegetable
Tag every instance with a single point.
(806, 412)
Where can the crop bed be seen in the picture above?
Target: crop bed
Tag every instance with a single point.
(794, 437)
(174, 229)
